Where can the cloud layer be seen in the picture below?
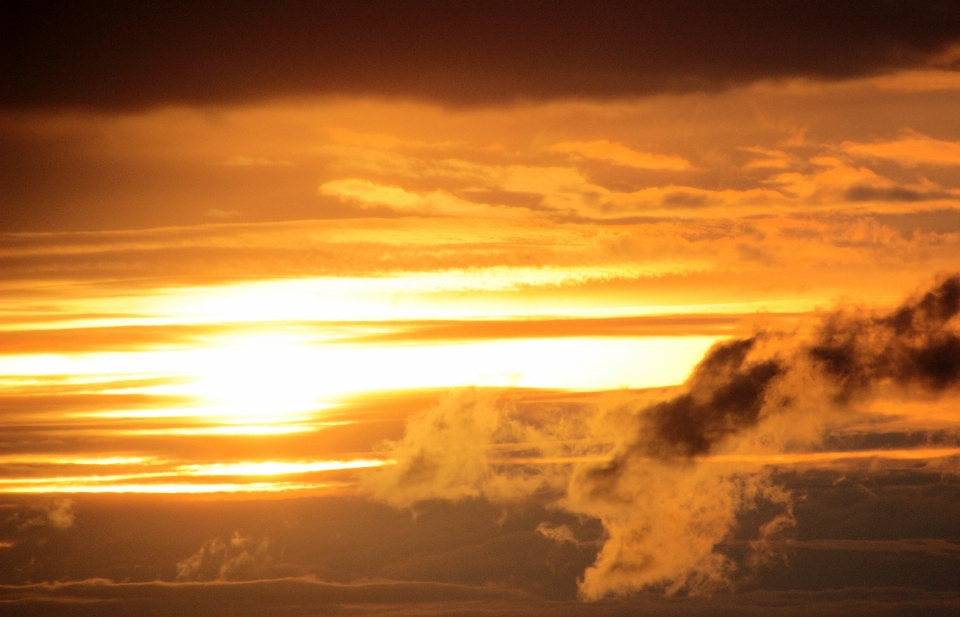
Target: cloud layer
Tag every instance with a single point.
(106, 55)
(672, 479)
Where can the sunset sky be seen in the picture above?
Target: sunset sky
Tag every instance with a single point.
(480, 308)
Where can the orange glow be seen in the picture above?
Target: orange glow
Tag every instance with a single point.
(84, 486)
(275, 468)
(576, 246)
(502, 308)
(30, 459)
(170, 477)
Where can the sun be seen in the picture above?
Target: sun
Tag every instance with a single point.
(265, 379)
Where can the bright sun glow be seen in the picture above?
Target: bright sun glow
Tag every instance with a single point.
(269, 380)
(261, 380)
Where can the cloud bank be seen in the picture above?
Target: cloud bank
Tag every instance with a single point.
(671, 477)
(105, 55)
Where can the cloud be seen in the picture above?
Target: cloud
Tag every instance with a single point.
(561, 534)
(444, 454)
(690, 324)
(236, 559)
(895, 194)
(116, 171)
(60, 514)
(281, 596)
(618, 154)
(299, 596)
(85, 55)
(255, 161)
(57, 515)
(769, 159)
(671, 479)
(369, 194)
(910, 150)
(929, 546)
(665, 516)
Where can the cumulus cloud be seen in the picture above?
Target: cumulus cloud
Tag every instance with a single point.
(670, 478)
(774, 392)
(446, 453)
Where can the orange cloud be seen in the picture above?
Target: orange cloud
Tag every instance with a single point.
(664, 506)
(618, 154)
(368, 194)
(910, 150)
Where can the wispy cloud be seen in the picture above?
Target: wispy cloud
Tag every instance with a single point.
(618, 154)
(910, 149)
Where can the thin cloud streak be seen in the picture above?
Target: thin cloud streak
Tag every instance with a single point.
(171, 477)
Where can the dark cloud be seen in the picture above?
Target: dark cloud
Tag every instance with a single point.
(110, 55)
(354, 557)
(911, 346)
(684, 199)
(944, 221)
(691, 423)
(775, 388)
(291, 596)
(682, 477)
(732, 389)
(896, 193)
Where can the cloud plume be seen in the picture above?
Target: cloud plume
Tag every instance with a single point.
(672, 479)
(237, 559)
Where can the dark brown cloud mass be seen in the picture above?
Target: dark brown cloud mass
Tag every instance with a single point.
(912, 346)
(109, 55)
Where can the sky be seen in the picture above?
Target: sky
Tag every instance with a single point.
(488, 308)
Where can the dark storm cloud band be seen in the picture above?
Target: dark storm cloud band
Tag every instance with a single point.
(114, 55)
